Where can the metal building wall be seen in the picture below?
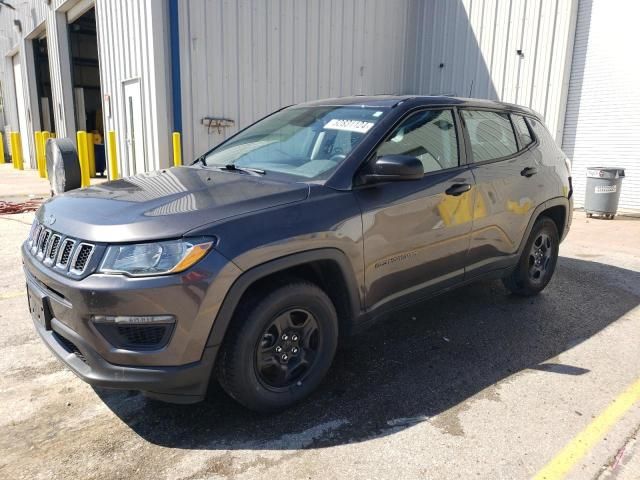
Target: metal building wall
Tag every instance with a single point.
(470, 48)
(602, 126)
(243, 59)
(37, 17)
(133, 44)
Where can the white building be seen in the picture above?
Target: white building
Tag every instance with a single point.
(145, 68)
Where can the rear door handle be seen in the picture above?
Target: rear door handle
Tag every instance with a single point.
(529, 172)
(457, 189)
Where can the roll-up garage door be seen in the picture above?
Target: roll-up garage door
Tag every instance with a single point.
(602, 122)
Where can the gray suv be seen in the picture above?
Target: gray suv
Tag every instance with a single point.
(248, 265)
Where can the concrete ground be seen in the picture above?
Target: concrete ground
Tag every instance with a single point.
(473, 384)
(22, 185)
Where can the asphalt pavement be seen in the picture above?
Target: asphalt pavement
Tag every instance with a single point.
(475, 383)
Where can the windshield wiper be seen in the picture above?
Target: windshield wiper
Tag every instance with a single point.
(201, 160)
(250, 170)
(234, 168)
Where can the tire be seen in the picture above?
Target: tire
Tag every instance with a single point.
(250, 365)
(537, 262)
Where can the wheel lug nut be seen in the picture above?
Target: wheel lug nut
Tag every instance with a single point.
(278, 349)
(285, 337)
(285, 357)
(294, 338)
(294, 350)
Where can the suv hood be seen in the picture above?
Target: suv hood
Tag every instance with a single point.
(163, 204)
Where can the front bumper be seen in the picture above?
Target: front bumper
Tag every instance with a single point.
(178, 372)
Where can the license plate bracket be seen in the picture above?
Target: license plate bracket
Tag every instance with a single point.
(39, 307)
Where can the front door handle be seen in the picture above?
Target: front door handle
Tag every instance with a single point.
(457, 189)
(529, 172)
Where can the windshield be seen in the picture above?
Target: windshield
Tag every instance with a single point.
(305, 142)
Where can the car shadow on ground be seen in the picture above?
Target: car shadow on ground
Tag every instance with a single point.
(421, 362)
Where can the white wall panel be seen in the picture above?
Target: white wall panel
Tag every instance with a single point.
(243, 59)
(602, 126)
(476, 42)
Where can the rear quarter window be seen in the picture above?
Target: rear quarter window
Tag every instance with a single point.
(522, 129)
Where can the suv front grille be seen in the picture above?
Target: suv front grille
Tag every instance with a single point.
(60, 252)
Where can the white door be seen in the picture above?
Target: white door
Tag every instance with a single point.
(22, 110)
(136, 161)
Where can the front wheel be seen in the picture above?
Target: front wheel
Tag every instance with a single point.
(538, 260)
(279, 347)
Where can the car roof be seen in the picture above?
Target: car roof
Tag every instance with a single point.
(391, 101)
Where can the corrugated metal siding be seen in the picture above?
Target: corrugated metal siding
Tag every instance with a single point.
(468, 48)
(34, 15)
(602, 126)
(243, 59)
(133, 43)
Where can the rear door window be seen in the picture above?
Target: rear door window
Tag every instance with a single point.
(522, 129)
(490, 133)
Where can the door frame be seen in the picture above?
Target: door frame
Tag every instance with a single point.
(128, 164)
(21, 105)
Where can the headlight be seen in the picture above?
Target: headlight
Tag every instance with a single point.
(157, 258)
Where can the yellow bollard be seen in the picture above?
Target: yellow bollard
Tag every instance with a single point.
(39, 154)
(92, 155)
(1, 148)
(113, 159)
(177, 150)
(45, 136)
(83, 157)
(16, 151)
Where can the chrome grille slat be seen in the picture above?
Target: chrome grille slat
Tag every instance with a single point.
(65, 252)
(36, 239)
(81, 258)
(43, 242)
(52, 249)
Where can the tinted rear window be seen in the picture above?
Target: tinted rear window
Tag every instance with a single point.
(490, 133)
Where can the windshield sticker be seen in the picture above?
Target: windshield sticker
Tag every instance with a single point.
(377, 114)
(348, 125)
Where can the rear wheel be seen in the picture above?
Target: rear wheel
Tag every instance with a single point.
(538, 260)
(279, 347)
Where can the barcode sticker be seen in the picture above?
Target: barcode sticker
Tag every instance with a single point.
(348, 125)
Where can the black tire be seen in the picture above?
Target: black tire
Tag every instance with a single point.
(256, 332)
(538, 260)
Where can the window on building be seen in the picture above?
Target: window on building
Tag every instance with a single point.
(522, 129)
(429, 136)
(490, 133)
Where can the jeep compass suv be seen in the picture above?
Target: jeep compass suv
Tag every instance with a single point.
(249, 264)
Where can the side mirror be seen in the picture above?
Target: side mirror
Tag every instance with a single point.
(390, 168)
